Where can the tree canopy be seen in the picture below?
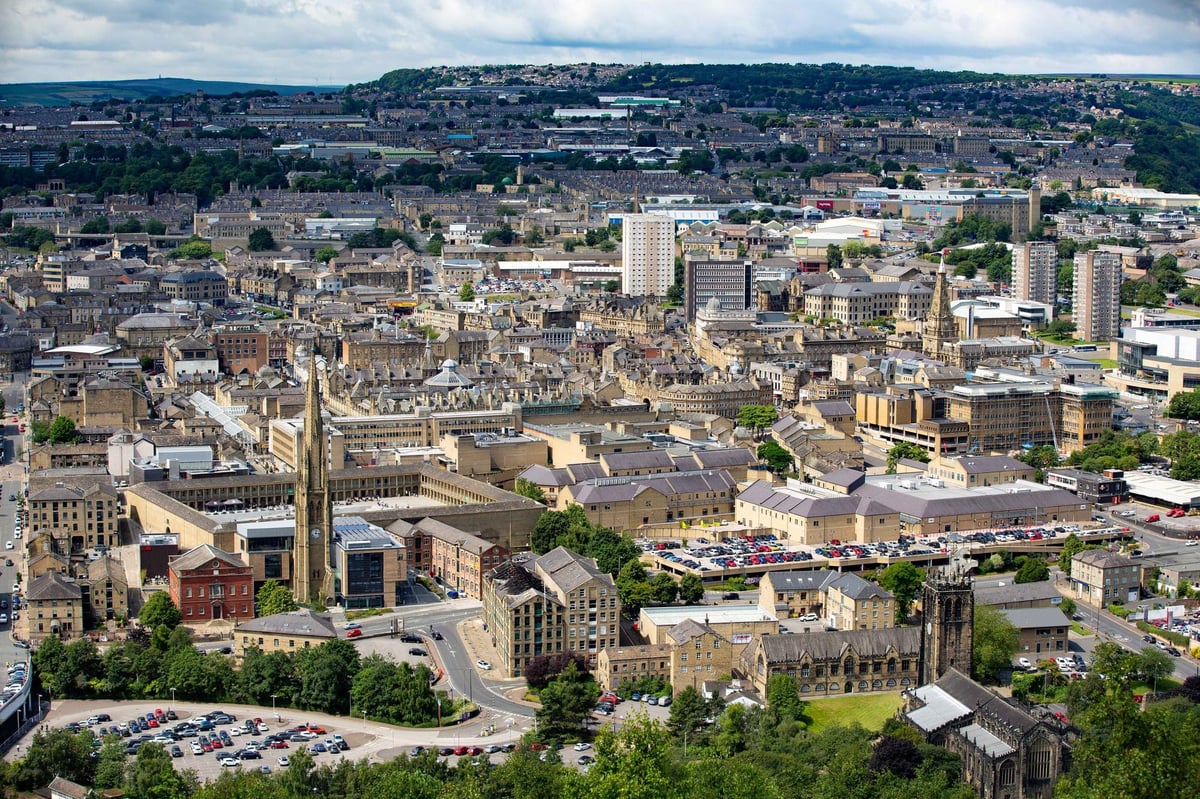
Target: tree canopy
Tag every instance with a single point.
(905, 450)
(995, 642)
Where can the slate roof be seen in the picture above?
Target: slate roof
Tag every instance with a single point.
(985, 741)
(621, 489)
(831, 645)
(1103, 559)
(302, 622)
(856, 587)
(980, 699)
(52, 585)
(1016, 592)
(1026, 618)
(688, 630)
(649, 459)
(567, 570)
(982, 464)
(201, 556)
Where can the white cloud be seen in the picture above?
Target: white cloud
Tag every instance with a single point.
(301, 41)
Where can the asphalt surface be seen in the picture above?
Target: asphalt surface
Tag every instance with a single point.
(12, 475)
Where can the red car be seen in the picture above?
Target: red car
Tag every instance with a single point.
(475, 750)
(460, 750)
(277, 745)
(1153, 517)
(355, 633)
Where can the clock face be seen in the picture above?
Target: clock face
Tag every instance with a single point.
(315, 533)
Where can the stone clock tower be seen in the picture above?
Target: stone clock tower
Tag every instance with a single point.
(948, 624)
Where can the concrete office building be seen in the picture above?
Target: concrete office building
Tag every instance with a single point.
(730, 283)
(1035, 271)
(1096, 302)
(647, 255)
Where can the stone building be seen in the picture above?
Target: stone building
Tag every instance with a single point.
(559, 602)
(832, 663)
(1006, 753)
(206, 583)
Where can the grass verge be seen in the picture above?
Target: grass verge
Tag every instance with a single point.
(869, 710)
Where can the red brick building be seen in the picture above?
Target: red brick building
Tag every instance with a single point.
(207, 583)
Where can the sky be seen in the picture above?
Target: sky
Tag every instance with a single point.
(335, 42)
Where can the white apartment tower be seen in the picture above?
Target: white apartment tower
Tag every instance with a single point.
(1035, 271)
(1096, 304)
(647, 254)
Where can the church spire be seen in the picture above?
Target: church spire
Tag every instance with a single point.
(314, 513)
(939, 323)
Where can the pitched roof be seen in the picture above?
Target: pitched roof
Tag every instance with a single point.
(981, 700)
(1026, 618)
(831, 645)
(303, 622)
(567, 570)
(52, 585)
(199, 557)
(1103, 559)
(1016, 592)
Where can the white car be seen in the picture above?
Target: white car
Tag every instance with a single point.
(283, 761)
(231, 762)
(483, 664)
(582, 746)
(8, 544)
(351, 625)
(1025, 664)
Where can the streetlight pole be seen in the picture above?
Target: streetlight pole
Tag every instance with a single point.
(172, 698)
(273, 711)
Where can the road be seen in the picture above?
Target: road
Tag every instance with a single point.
(12, 475)
(451, 653)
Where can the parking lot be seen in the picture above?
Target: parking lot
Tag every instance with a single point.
(740, 553)
(363, 739)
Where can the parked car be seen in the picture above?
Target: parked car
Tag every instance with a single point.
(1153, 517)
(355, 633)
(418, 652)
(483, 664)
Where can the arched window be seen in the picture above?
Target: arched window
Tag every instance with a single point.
(1039, 764)
(1008, 773)
(862, 685)
(876, 684)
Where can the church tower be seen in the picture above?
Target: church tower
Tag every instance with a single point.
(939, 323)
(948, 624)
(311, 574)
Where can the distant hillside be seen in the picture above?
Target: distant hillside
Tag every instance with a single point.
(87, 92)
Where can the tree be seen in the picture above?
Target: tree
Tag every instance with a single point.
(904, 580)
(1032, 570)
(1154, 664)
(155, 227)
(691, 588)
(153, 776)
(272, 598)
(663, 588)
(688, 711)
(757, 418)
(833, 255)
(540, 670)
(62, 431)
(466, 293)
(783, 694)
(261, 240)
(612, 286)
(899, 756)
(995, 642)
(159, 611)
(325, 254)
(194, 249)
(905, 450)
(778, 459)
(326, 673)
(566, 701)
(55, 753)
(1041, 457)
(633, 587)
(1072, 546)
(1067, 606)
(1060, 330)
(40, 431)
(1185, 405)
(529, 490)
